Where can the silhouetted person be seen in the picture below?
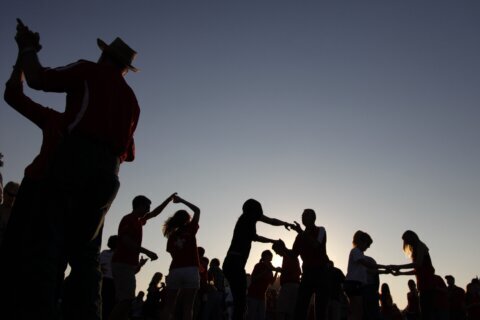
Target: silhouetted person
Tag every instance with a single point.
(311, 245)
(262, 277)
(125, 260)
(423, 270)
(9, 194)
(136, 310)
(456, 300)
(152, 305)
(100, 118)
(412, 311)
(108, 285)
(215, 304)
(371, 296)
(183, 279)
(472, 300)
(289, 281)
(357, 274)
(243, 235)
(27, 223)
(388, 309)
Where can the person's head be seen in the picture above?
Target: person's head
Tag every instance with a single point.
(362, 240)
(215, 262)
(117, 54)
(140, 295)
(410, 242)
(178, 220)
(279, 247)
(267, 256)
(450, 280)
(157, 277)
(201, 251)
(112, 242)
(412, 285)
(10, 193)
(204, 261)
(252, 209)
(385, 289)
(308, 218)
(141, 205)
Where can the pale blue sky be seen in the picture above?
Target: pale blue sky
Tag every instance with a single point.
(366, 111)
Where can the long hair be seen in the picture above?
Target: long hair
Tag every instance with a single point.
(157, 277)
(412, 243)
(178, 220)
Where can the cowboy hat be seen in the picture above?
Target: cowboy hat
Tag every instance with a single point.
(120, 51)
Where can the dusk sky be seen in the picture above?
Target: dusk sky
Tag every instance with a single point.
(365, 111)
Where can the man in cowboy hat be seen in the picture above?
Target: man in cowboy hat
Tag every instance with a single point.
(100, 118)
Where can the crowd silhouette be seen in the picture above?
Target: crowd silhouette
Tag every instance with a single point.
(58, 209)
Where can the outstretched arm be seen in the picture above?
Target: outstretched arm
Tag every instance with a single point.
(262, 239)
(275, 222)
(194, 208)
(155, 212)
(152, 255)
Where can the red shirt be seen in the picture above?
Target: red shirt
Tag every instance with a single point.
(182, 246)
(290, 270)
(48, 120)
(100, 104)
(263, 278)
(130, 227)
(312, 255)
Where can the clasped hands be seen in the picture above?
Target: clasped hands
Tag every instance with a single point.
(26, 39)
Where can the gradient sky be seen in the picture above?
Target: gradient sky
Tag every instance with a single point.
(365, 111)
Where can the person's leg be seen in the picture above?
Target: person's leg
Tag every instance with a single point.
(322, 293)
(305, 291)
(170, 303)
(15, 249)
(108, 297)
(85, 282)
(237, 279)
(187, 299)
(125, 283)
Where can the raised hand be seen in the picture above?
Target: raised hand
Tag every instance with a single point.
(27, 39)
(142, 261)
(297, 227)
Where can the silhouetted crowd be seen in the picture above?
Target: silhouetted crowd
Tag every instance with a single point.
(54, 218)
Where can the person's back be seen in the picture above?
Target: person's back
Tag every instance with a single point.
(100, 104)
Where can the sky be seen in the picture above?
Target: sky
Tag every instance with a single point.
(365, 111)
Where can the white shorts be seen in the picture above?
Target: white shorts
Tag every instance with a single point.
(183, 278)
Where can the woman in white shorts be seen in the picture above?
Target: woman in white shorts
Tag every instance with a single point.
(183, 280)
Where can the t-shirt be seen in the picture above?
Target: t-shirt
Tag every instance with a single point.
(130, 226)
(290, 270)
(312, 255)
(182, 246)
(243, 234)
(100, 104)
(262, 277)
(356, 271)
